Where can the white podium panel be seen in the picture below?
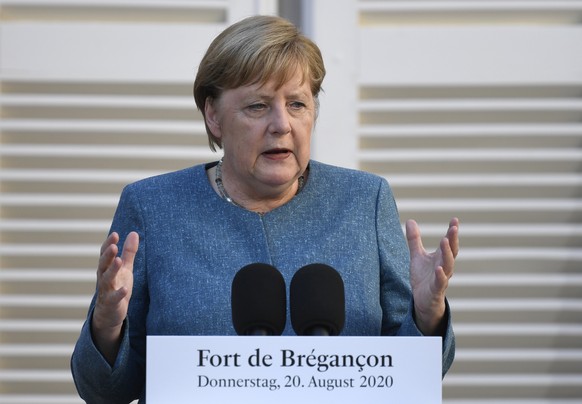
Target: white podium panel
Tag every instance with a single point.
(293, 370)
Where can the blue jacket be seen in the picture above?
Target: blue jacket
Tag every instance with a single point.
(192, 243)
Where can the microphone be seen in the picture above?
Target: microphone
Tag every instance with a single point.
(317, 301)
(258, 300)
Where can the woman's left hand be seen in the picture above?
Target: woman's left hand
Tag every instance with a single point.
(430, 274)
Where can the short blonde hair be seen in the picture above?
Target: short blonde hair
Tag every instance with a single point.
(256, 50)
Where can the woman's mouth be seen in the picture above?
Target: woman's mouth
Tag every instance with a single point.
(277, 153)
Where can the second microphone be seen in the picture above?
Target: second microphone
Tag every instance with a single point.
(317, 301)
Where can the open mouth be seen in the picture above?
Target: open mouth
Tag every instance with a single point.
(277, 152)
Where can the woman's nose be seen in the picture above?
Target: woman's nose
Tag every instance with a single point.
(279, 123)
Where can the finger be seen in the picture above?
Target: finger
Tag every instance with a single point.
(118, 295)
(107, 279)
(447, 256)
(110, 286)
(413, 237)
(112, 298)
(441, 280)
(106, 259)
(130, 247)
(453, 236)
(113, 238)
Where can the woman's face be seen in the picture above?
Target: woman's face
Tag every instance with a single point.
(265, 133)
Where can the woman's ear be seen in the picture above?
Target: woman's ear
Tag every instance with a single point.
(211, 117)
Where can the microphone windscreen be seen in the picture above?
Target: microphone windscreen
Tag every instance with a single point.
(258, 300)
(317, 300)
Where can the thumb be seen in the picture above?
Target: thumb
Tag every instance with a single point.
(413, 237)
(130, 247)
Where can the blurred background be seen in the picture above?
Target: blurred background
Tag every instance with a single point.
(469, 108)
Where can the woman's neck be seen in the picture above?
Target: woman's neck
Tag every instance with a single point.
(262, 201)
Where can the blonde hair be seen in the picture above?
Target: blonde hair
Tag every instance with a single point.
(253, 51)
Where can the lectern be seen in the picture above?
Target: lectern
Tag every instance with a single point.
(293, 370)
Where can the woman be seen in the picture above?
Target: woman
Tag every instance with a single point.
(185, 234)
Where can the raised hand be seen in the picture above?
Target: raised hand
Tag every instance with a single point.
(430, 274)
(114, 286)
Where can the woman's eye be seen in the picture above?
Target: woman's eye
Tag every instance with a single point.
(257, 107)
(297, 105)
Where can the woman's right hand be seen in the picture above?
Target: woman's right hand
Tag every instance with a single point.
(114, 286)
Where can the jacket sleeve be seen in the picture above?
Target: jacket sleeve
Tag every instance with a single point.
(395, 290)
(96, 381)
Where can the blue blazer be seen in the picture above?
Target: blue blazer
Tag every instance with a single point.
(192, 243)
